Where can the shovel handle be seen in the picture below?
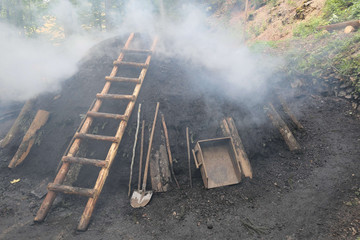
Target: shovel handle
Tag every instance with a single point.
(149, 149)
(195, 159)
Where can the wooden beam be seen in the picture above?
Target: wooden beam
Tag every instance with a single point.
(283, 128)
(15, 129)
(229, 130)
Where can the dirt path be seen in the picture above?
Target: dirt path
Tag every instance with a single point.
(308, 195)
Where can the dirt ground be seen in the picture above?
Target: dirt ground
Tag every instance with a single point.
(311, 194)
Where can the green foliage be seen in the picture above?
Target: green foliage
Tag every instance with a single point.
(304, 29)
(261, 46)
(340, 56)
(341, 10)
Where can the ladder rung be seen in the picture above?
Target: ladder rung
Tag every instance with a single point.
(122, 79)
(137, 51)
(96, 137)
(87, 192)
(135, 64)
(107, 115)
(115, 96)
(85, 161)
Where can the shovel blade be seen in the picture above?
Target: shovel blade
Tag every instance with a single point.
(140, 199)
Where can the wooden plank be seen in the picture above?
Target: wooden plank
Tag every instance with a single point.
(87, 192)
(28, 141)
(169, 150)
(229, 130)
(85, 161)
(283, 128)
(15, 129)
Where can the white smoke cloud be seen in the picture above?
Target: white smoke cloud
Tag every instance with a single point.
(31, 66)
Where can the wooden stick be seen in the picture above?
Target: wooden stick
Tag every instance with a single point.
(141, 153)
(169, 150)
(29, 138)
(188, 152)
(229, 130)
(283, 128)
(289, 113)
(134, 148)
(149, 149)
(14, 130)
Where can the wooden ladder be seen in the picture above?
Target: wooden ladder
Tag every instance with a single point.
(82, 133)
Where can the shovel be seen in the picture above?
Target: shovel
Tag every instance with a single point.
(140, 198)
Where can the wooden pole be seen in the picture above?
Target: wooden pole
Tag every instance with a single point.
(229, 130)
(141, 153)
(149, 149)
(28, 141)
(188, 153)
(283, 128)
(14, 130)
(169, 150)
(134, 148)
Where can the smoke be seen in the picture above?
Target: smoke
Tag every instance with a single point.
(31, 66)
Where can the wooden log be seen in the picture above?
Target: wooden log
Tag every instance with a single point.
(283, 128)
(28, 141)
(336, 26)
(188, 154)
(15, 129)
(169, 150)
(289, 113)
(229, 130)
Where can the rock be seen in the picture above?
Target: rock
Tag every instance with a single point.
(349, 29)
(345, 85)
(342, 94)
(350, 90)
(348, 96)
(354, 105)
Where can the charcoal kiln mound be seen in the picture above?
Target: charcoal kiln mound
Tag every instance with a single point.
(293, 195)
